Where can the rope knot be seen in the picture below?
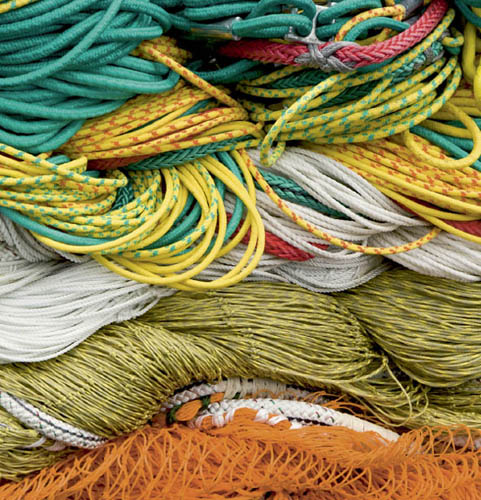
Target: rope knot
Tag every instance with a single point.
(324, 57)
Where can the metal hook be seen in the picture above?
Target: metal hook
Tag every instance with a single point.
(312, 37)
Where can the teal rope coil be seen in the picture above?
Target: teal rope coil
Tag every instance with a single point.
(62, 62)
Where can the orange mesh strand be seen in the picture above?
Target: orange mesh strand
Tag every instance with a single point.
(247, 459)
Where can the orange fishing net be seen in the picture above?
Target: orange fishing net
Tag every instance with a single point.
(251, 460)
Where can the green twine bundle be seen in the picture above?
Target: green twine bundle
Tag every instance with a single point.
(16, 458)
(115, 380)
(429, 327)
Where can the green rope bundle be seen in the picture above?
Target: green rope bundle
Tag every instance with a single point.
(115, 380)
(16, 457)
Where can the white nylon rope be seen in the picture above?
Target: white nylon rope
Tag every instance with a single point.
(447, 256)
(47, 308)
(232, 386)
(301, 412)
(50, 427)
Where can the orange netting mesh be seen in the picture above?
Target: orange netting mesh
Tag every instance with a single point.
(252, 460)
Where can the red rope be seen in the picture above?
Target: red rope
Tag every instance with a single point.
(280, 248)
(111, 163)
(271, 52)
(470, 227)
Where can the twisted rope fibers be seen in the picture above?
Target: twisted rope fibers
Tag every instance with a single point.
(42, 318)
(406, 334)
(212, 229)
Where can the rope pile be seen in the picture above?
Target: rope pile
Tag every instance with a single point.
(218, 335)
(78, 67)
(205, 212)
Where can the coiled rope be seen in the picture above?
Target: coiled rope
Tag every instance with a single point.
(139, 239)
(79, 68)
(342, 53)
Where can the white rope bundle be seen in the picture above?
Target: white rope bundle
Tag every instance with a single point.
(299, 413)
(26, 246)
(339, 188)
(447, 256)
(376, 220)
(46, 308)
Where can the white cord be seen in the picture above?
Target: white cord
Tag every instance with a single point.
(26, 246)
(299, 411)
(232, 386)
(447, 256)
(47, 426)
(47, 308)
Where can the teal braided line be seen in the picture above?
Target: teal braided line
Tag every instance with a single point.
(124, 196)
(289, 190)
(174, 158)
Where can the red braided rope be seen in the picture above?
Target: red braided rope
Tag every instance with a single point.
(272, 52)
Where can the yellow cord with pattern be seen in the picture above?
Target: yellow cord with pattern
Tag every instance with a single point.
(300, 221)
(470, 61)
(149, 125)
(419, 176)
(70, 209)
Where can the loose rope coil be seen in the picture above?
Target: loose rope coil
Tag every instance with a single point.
(148, 237)
(384, 112)
(183, 121)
